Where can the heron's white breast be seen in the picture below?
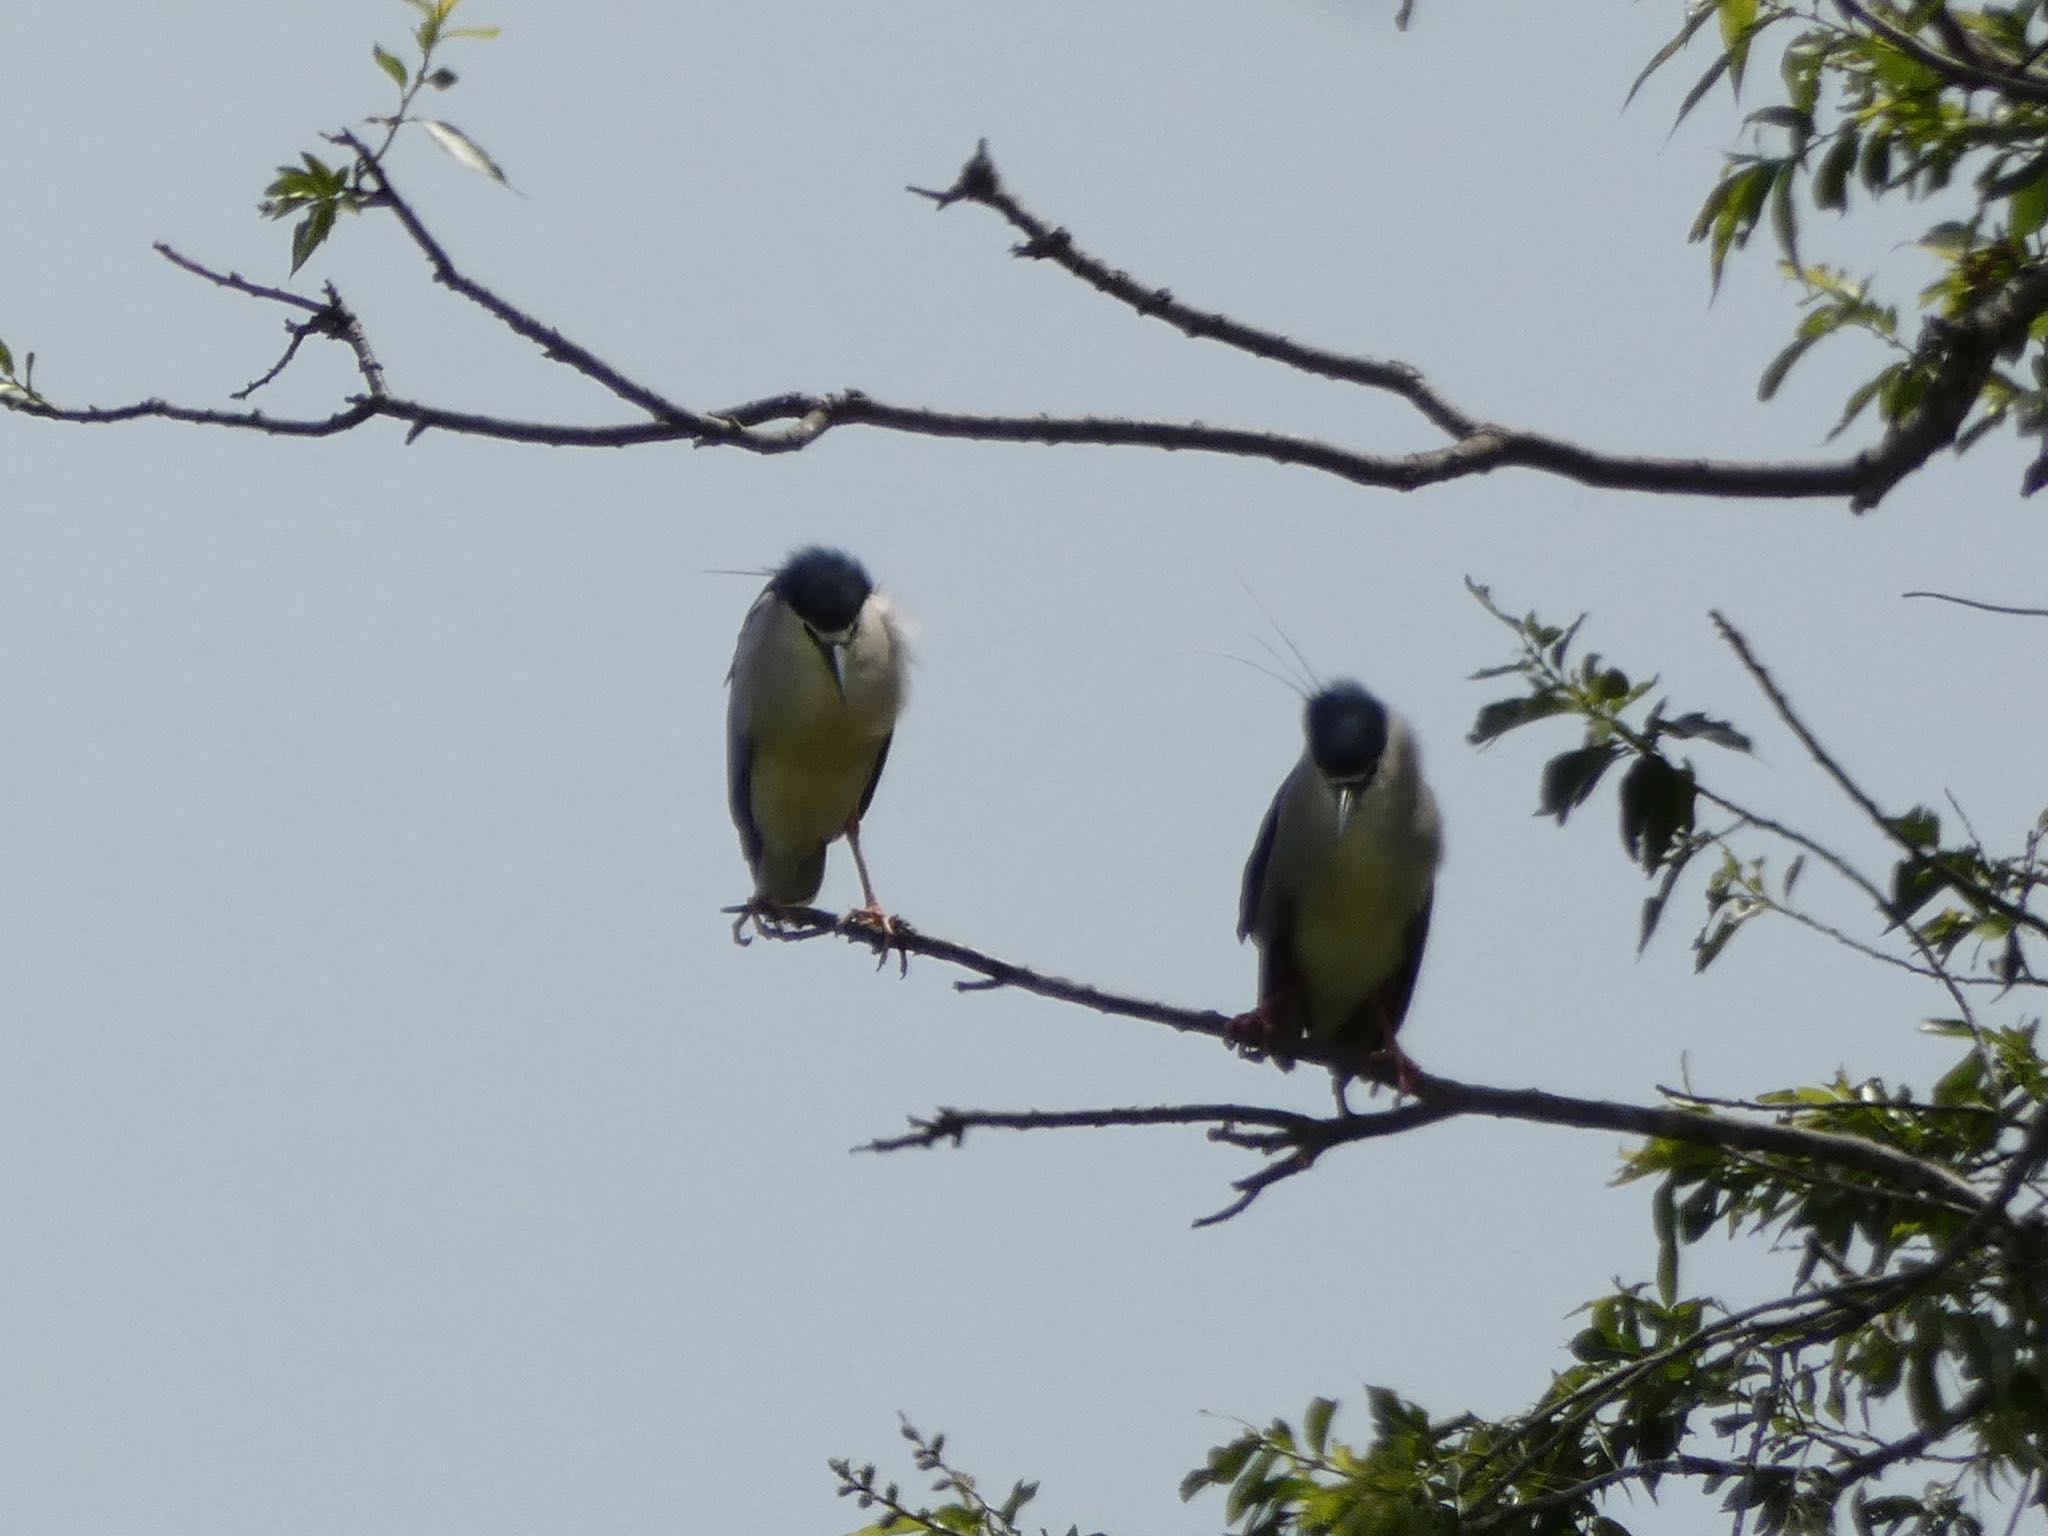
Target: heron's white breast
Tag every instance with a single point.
(1354, 897)
(812, 751)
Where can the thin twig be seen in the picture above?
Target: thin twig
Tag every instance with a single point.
(1976, 891)
(1909, 1446)
(979, 182)
(1971, 75)
(237, 283)
(1971, 602)
(298, 331)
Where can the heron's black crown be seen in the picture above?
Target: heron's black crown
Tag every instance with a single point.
(824, 587)
(1347, 732)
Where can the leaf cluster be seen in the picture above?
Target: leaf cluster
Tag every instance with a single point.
(965, 1512)
(19, 385)
(317, 194)
(1924, 102)
(1658, 797)
(1988, 893)
(1913, 1335)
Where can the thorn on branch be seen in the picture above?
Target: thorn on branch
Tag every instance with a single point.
(945, 1125)
(1054, 242)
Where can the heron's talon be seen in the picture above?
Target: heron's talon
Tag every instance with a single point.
(892, 931)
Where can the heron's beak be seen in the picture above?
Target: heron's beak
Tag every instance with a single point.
(835, 658)
(1347, 802)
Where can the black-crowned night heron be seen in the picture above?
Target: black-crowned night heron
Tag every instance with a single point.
(1338, 888)
(817, 681)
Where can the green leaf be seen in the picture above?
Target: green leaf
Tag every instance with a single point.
(1951, 238)
(1774, 375)
(1831, 178)
(6, 361)
(1701, 1207)
(1656, 806)
(1654, 905)
(1570, 777)
(390, 64)
(1919, 827)
(1020, 1495)
(1784, 221)
(310, 232)
(2029, 209)
(1794, 121)
(1664, 1217)
(1665, 54)
(1706, 949)
(1914, 884)
(1710, 209)
(1504, 715)
(1695, 725)
(1923, 1384)
(1226, 1461)
(1738, 18)
(1315, 1424)
(1861, 397)
(1700, 87)
(462, 147)
(1388, 1411)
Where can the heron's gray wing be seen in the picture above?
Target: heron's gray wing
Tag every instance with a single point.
(1399, 987)
(1254, 890)
(739, 767)
(874, 775)
(739, 778)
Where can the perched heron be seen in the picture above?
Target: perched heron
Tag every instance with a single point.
(1338, 889)
(817, 681)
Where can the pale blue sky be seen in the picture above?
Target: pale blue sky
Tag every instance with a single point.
(392, 1141)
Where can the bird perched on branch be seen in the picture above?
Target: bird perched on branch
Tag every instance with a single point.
(817, 681)
(1337, 892)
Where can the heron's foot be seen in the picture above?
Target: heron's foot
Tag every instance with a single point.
(763, 916)
(1394, 1067)
(892, 930)
(1263, 1032)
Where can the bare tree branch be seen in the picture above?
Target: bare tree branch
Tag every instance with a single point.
(1436, 1098)
(1965, 350)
